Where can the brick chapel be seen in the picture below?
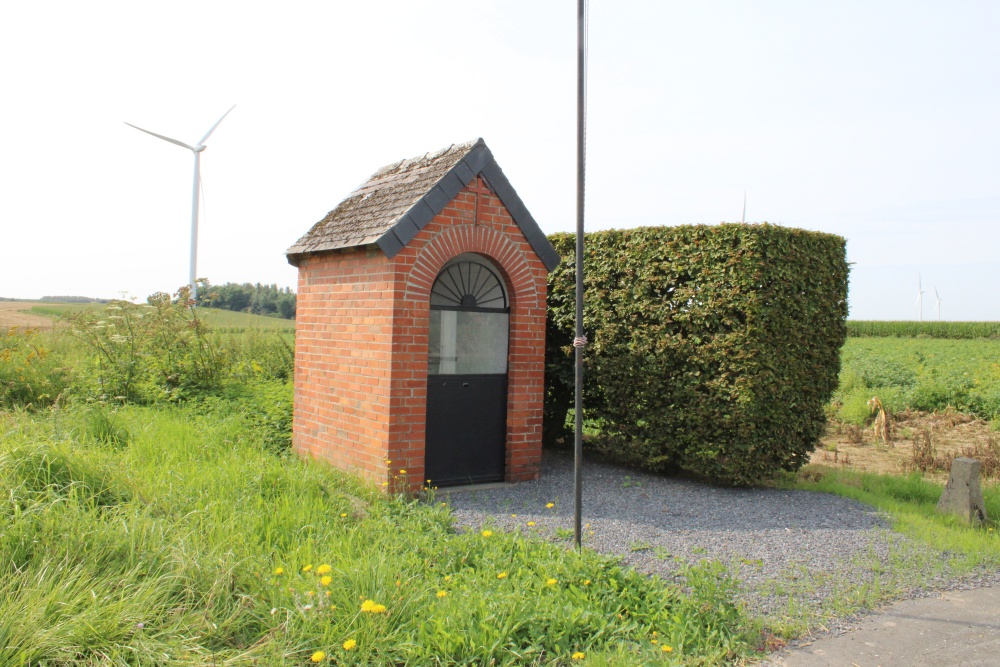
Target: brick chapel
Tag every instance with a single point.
(420, 326)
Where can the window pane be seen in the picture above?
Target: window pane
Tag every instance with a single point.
(467, 343)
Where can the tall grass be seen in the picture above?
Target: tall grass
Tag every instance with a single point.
(187, 541)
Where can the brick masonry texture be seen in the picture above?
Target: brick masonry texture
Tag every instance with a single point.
(362, 334)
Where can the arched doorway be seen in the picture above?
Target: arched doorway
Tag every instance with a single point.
(467, 374)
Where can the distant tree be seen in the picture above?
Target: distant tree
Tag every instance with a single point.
(253, 298)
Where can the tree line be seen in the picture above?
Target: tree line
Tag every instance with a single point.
(253, 298)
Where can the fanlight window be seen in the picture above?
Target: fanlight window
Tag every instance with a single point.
(469, 320)
(468, 284)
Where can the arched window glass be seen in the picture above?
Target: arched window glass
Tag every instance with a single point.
(469, 320)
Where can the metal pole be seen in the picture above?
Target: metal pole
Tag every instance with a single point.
(194, 222)
(578, 346)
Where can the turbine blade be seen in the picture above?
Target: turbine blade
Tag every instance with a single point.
(160, 136)
(212, 129)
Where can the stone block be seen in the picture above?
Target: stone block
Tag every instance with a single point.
(963, 495)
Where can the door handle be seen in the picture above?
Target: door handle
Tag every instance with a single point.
(465, 384)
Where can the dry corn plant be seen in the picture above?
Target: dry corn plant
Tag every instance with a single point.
(882, 426)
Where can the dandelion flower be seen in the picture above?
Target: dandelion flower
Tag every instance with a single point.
(349, 644)
(279, 571)
(442, 594)
(654, 633)
(447, 577)
(579, 655)
(318, 656)
(343, 514)
(550, 505)
(531, 523)
(326, 580)
(402, 471)
(586, 582)
(550, 582)
(502, 575)
(323, 569)
(385, 483)
(487, 533)
(372, 607)
(307, 568)
(666, 649)
(309, 594)
(513, 516)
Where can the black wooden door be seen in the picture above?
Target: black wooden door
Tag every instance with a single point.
(466, 429)
(467, 375)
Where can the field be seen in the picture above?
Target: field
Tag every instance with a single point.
(217, 319)
(19, 314)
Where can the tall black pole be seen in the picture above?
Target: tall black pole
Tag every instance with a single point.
(581, 107)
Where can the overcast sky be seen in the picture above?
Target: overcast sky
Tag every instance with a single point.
(879, 121)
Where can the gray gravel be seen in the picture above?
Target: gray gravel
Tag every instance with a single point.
(788, 549)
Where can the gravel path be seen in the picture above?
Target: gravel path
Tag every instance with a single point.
(798, 548)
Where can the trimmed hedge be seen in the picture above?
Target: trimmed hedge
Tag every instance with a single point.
(713, 349)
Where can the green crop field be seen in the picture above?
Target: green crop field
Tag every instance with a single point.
(959, 330)
(216, 319)
(919, 373)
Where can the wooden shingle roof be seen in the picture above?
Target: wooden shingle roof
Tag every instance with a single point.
(401, 198)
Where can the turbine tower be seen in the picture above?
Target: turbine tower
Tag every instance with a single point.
(196, 149)
(920, 299)
(937, 304)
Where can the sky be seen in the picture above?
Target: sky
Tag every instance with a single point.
(877, 121)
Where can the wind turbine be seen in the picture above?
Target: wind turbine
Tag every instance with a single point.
(920, 298)
(196, 149)
(937, 304)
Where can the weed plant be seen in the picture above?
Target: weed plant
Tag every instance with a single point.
(174, 535)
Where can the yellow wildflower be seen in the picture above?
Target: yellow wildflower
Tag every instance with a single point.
(550, 582)
(343, 514)
(309, 594)
(318, 656)
(579, 655)
(447, 577)
(513, 516)
(502, 575)
(349, 644)
(666, 649)
(323, 569)
(530, 524)
(586, 582)
(307, 568)
(326, 580)
(442, 594)
(487, 533)
(371, 607)
(402, 471)
(279, 571)
(550, 505)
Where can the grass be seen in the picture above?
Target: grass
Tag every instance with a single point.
(177, 536)
(920, 374)
(911, 502)
(226, 320)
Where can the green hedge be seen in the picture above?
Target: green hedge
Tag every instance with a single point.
(713, 349)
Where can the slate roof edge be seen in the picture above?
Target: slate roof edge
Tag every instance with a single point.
(479, 161)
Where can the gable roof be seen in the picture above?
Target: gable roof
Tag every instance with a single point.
(392, 206)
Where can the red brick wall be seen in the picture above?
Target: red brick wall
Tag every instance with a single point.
(361, 393)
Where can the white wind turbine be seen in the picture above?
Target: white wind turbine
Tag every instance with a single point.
(920, 299)
(196, 149)
(937, 303)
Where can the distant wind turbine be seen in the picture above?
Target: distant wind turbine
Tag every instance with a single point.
(937, 303)
(920, 299)
(196, 149)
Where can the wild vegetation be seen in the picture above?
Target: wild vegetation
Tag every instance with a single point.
(156, 517)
